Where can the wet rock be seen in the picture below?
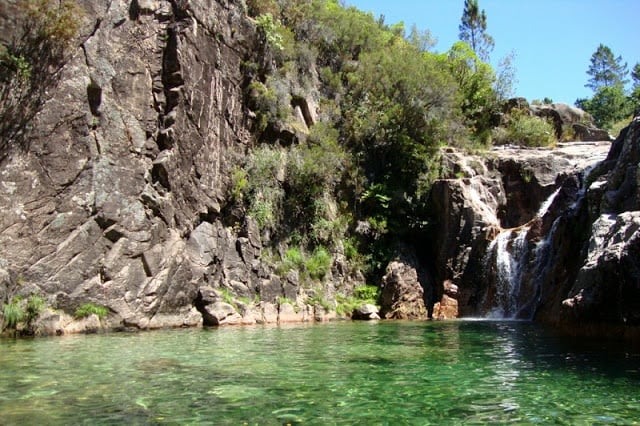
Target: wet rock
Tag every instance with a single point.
(288, 313)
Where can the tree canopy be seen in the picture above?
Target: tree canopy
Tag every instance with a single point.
(473, 29)
(606, 70)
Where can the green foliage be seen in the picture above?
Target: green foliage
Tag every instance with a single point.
(293, 259)
(263, 189)
(314, 266)
(365, 294)
(608, 106)
(314, 170)
(526, 130)
(35, 305)
(606, 70)
(616, 128)
(283, 300)
(20, 310)
(319, 263)
(227, 296)
(476, 80)
(271, 101)
(13, 313)
(473, 29)
(91, 308)
(270, 31)
(239, 183)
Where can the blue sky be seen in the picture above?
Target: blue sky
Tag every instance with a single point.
(553, 40)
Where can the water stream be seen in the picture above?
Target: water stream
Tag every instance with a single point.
(508, 255)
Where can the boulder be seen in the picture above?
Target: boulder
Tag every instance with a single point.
(588, 133)
(564, 117)
(288, 313)
(220, 313)
(402, 294)
(446, 308)
(365, 312)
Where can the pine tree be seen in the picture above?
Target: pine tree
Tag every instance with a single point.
(635, 75)
(473, 29)
(606, 70)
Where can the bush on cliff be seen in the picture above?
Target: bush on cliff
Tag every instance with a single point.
(526, 130)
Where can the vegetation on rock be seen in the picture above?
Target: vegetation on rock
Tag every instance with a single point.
(383, 104)
(91, 308)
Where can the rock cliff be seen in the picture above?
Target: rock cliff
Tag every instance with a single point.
(120, 199)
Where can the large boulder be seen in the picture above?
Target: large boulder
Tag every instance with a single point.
(402, 294)
(366, 312)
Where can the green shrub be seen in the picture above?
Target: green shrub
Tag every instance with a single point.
(319, 263)
(526, 130)
(270, 29)
(318, 299)
(366, 293)
(35, 305)
(227, 296)
(90, 308)
(293, 259)
(20, 310)
(361, 295)
(13, 313)
(239, 183)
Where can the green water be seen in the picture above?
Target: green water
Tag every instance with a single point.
(344, 373)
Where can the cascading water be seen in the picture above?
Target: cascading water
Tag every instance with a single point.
(507, 255)
(516, 266)
(508, 251)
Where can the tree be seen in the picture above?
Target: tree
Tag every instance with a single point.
(607, 106)
(635, 94)
(473, 29)
(606, 70)
(635, 75)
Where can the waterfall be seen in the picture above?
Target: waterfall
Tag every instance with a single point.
(508, 251)
(507, 256)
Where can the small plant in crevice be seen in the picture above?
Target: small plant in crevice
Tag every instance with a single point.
(91, 308)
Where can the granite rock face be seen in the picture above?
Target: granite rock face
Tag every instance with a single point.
(121, 198)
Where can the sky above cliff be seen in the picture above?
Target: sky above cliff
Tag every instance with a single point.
(553, 40)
